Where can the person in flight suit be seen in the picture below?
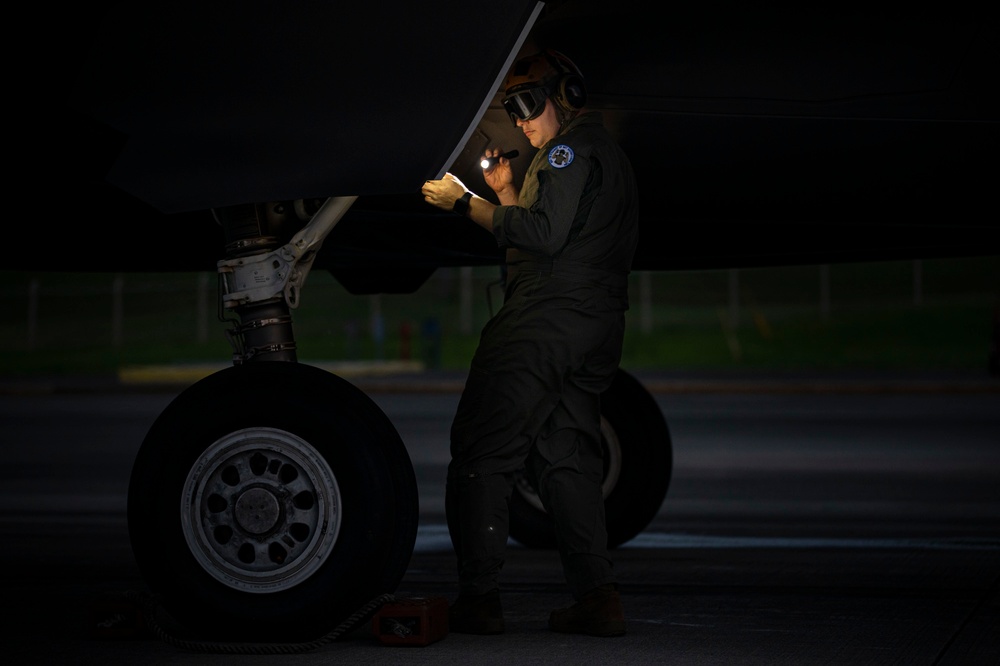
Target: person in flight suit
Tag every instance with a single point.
(532, 397)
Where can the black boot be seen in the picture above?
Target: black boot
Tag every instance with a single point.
(476, 614)
(598, 613)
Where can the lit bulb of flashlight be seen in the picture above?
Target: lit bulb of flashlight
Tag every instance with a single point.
(490, 162)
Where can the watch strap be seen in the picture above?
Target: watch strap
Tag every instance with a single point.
(462, 204)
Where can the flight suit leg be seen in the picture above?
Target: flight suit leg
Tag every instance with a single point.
(476, 505)
(533, 389)
(489, 444)
(567, 466)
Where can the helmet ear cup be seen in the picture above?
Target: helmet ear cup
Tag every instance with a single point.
(571, 94)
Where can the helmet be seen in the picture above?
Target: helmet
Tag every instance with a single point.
(537, 77)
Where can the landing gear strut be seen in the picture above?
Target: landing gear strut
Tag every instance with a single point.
(271, 500)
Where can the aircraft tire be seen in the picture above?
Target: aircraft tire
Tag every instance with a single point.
(270, 502)
(637, 467)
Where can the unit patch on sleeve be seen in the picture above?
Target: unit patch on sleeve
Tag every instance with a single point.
(561, 156)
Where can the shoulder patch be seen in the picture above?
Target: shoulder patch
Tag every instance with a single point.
(561, 156)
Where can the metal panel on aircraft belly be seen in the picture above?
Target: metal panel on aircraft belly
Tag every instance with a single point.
(224, 102)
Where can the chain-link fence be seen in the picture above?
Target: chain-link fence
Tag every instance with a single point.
(923, 314)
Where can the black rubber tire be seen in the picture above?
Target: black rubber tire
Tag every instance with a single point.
(303, 415)
(637, 469)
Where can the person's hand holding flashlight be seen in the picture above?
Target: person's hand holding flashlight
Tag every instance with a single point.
(496, 170)
(490, 162)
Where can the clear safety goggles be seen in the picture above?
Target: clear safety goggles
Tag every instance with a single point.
(526, 104)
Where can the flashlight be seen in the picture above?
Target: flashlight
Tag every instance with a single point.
(490, 162)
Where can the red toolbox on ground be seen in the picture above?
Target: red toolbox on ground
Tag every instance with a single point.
(415, 621)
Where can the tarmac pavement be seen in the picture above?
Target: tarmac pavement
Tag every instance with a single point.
(788, 577)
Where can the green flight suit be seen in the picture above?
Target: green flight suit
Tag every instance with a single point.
(532, 395)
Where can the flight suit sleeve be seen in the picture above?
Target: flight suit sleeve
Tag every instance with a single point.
(543, 225)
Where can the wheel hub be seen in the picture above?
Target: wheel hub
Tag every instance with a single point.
(261, 510)
(257, 511)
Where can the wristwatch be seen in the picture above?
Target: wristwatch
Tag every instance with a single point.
(462, 204)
